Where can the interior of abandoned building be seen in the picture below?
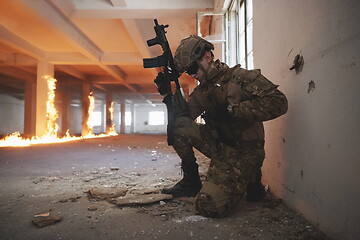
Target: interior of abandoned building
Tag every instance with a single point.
(83, 60)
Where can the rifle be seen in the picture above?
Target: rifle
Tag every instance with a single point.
(175, 102)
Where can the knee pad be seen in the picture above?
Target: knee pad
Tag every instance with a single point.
(212, 201)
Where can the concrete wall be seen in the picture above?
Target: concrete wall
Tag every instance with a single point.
(11, 115)
(75, 118)
(313, 161)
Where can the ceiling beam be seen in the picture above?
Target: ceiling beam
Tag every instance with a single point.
(71, 71)
(17, 59)
(70, 32)
(118, 3)
(139, 38)
(75, 58)
(17, 73)
(20, 44)
(136, 9)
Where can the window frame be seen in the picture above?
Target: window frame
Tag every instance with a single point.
(239, 27)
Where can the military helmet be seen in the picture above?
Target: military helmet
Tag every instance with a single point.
(189, 50)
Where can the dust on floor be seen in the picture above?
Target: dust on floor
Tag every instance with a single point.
(55, 180)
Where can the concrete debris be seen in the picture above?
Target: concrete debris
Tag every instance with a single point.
(272, 203)
(189, 200)
(195, 218)
(142, 199)
(92, 208)
(72, 199)
(145, 191)
(106, 193)
(43, 221)
(42, 215)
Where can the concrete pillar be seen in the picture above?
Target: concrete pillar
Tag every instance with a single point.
(109, 121)
(44, 70)
(132, 127)
(85, 103)
(30, 109)
(122, 116)
(65, 113)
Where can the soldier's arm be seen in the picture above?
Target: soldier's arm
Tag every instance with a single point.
(263, 100)
(194, 105)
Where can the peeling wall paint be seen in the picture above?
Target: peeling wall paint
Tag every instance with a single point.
(312, 153)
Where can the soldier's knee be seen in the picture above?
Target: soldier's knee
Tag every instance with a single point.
(212, 201)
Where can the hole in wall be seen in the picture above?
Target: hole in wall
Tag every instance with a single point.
(298, 63)
(311, 86)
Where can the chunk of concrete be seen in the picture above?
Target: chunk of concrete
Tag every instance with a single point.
(42, 221)
(142, 199)
(106, 193)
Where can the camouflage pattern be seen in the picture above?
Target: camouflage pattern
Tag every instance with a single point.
(235, 145)
(231, 168)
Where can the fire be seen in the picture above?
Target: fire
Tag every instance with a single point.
(89, 125)
(50, 136)
(112, 128)
(51, 113)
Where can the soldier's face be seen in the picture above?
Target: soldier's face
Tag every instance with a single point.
(203, 67)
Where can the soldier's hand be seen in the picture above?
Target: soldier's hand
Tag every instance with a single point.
(219, 113)
(162, 84)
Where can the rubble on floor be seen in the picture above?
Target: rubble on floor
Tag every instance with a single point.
(43, 220)
(142, 199)
(106, 193)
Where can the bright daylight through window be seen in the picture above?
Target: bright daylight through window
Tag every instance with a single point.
(157, 118)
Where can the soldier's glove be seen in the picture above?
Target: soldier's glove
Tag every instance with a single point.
(162, 83)
(219, 113)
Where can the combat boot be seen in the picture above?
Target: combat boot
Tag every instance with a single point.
(189, 185)
(255, 192)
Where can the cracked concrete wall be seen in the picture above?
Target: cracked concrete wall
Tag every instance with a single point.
(312, 160)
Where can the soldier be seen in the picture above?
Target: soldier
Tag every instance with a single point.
(234, 103)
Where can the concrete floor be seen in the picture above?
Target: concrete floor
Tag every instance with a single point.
(41, 179)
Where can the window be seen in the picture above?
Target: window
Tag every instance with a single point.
(240, 34)
(95, 119)
(157, 118)
(211, 26)
(127, 118)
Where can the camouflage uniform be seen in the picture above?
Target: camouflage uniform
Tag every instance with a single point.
(235, 145)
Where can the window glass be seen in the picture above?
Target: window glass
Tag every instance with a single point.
(127, 118)
(95, 119)
(157, 118)
(240, 34)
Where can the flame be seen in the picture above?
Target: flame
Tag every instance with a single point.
(51, 113)
(112, 131)
(50, 136)
(89, 125)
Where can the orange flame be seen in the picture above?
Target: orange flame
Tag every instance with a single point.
(51, 113)
(89, 125)
(50, 136)
(112, 128)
